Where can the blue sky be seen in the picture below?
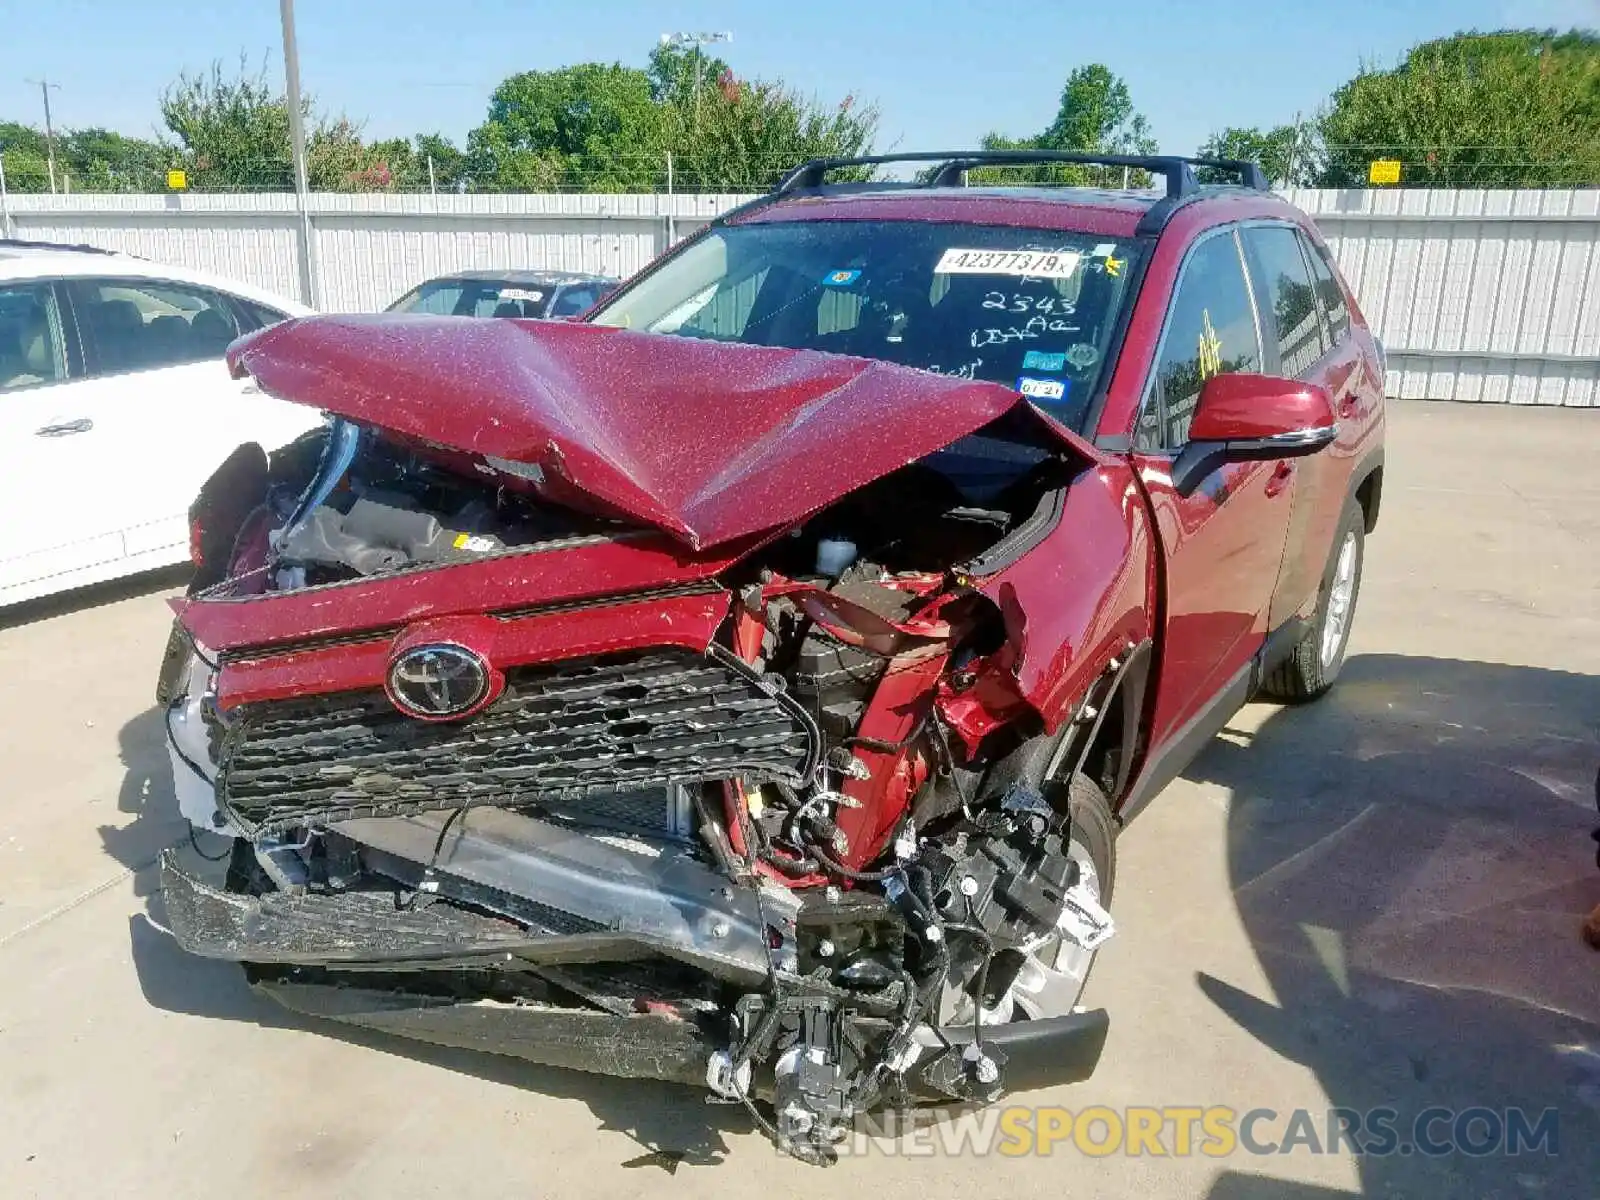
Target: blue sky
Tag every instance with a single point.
(943, 71)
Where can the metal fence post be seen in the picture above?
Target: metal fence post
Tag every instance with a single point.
(5, 203)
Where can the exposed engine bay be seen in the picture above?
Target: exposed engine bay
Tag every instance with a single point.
(787, 828)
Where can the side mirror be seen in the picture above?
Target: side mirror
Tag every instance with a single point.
(1248, 418)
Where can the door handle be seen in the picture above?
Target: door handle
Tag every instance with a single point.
(1350, 406)
(81, 425)
(1280, 477)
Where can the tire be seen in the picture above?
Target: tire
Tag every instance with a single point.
(1094, 838)
(1094, 831)
(1314, 665)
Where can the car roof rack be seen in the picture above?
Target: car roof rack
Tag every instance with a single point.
(25, 244)
(1177, 170)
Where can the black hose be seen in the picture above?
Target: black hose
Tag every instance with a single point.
(838, 868)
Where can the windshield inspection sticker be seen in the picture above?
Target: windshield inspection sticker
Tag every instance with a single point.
(1082, 356)
(841, 278)
(519, 294)
(1036, 264)
(1043, 360)
(1042, 389)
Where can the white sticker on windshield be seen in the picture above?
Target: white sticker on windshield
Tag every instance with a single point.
(519, 294)
(1038, 264)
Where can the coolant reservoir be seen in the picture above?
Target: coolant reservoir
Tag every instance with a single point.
(834, 555)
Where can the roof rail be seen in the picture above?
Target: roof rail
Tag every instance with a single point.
(24, 244)
(954, 165)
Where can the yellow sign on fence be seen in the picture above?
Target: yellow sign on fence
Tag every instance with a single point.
(1384, 170)
(177, 180)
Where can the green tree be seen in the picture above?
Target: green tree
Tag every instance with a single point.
(744, 136)
(1282, 153)
(1095, 116)
(1516, 108)
(232, 132)
(449, 163)
(593, 127)
(99, 160)
(22, 151)
(675, 71)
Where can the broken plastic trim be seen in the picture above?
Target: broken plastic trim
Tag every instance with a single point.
(344, 440)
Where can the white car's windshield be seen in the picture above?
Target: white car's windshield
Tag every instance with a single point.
(1032, 309)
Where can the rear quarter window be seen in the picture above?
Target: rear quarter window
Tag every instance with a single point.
(1330, 295)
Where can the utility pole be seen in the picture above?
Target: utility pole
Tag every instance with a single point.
(49, 129)
(297, 144)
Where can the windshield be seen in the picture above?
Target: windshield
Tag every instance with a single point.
(475, 298)
(1032, 309)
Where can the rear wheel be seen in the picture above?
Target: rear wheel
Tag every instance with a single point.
(1319, 656)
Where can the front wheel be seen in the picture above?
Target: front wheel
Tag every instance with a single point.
(1318, 658)
(1049, 980)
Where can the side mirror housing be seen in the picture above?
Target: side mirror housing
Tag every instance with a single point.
(1250, 418)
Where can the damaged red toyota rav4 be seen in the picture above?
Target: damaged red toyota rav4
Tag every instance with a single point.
(745, 684)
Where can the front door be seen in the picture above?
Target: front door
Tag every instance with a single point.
(1222, 544)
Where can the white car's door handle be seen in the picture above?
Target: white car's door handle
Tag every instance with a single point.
(81, 425)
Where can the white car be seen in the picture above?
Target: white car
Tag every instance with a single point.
(115, 406)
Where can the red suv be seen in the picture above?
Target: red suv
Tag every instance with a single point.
(747, 684)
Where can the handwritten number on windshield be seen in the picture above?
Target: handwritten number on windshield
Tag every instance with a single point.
(1036, 327)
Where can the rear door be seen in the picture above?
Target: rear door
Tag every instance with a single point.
(54, 445)
(1297, 347)
(1224, 542)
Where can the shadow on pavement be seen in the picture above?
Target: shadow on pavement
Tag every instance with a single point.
(1411, 860)
(1410, 857)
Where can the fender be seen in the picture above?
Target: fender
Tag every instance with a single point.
(1083, 596)
(1369, 470)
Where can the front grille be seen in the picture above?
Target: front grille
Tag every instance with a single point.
(584, 728)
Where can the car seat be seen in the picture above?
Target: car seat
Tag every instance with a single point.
(119, 335)
(210, 332)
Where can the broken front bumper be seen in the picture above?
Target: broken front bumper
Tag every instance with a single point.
(629, 906)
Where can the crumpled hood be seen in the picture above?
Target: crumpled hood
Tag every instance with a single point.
(707, 441)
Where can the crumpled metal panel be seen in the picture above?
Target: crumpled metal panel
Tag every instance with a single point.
(607, 725)
(311, 929)
(708, 441)
(636, 1046)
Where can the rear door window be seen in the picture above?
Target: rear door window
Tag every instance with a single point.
(1211, 330)
(32, 340)
(1289, 316)
(142, 324)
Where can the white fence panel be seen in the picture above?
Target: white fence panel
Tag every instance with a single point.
(1490, 296)
(1487, 296)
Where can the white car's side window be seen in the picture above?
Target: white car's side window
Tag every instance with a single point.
(137, 324)
(32, 349)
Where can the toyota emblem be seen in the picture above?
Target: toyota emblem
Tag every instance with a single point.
(438, 681)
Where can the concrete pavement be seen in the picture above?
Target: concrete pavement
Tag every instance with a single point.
(1371, 901)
